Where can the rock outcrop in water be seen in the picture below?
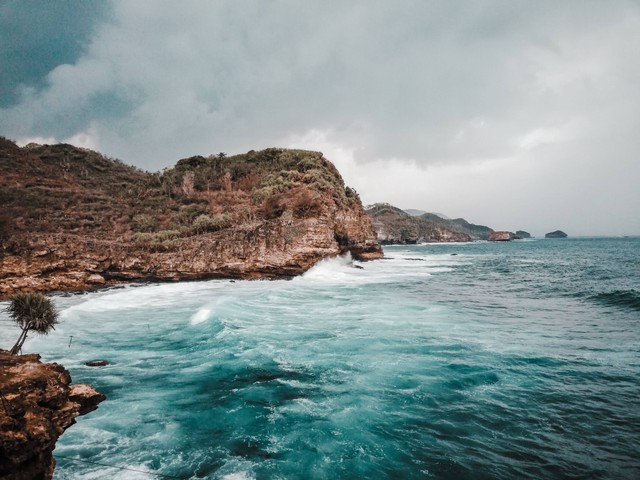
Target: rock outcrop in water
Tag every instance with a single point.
(556, 234)
(74, 219)
(522, 234)
(37, 404)
(502, 236)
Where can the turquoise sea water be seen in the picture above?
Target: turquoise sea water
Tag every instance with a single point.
(484, 360)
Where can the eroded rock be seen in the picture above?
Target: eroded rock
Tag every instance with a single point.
(501, 236)
(37, 405)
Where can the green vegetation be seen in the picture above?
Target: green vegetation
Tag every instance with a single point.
(205, 223)
(32, 312)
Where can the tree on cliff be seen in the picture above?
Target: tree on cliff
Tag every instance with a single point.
(32, 311)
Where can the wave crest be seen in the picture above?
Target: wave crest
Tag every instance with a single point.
(619, 298)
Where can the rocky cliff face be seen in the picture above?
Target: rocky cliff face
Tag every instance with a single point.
(37, 404)
(73, 219)
(394, 226)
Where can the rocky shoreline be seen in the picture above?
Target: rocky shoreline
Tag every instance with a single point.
(75, 263)
(38, 403)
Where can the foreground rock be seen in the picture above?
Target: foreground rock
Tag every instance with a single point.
(556, 234)
(38, 404)
(73, 219)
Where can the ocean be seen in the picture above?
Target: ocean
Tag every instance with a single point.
(442, 361)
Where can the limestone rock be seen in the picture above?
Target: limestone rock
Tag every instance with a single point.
(501, 236)
(38, 404)
(96, 279)
(556, 234)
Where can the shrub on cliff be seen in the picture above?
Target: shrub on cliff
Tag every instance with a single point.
(205, 223)
(158, 241)
(143, 223)
(32, 312)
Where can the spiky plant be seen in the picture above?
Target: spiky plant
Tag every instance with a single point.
(32, 312)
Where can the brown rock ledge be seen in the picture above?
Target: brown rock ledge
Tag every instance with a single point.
(38, 403)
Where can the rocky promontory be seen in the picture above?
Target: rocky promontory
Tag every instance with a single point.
(556, 234)
(74, 219)
(37, 404)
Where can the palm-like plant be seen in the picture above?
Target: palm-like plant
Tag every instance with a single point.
(32, 311)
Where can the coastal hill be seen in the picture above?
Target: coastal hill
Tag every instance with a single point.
(395, 226)
(73, 218)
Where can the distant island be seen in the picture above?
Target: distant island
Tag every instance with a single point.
(556, 234)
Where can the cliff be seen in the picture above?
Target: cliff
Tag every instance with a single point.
(74, 219)
(38, 403)
(395, 226)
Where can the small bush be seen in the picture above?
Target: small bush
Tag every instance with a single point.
(205, 223)
(272, 207)
(276, 183)
(143, 223)
(187, 214)
(156, 238)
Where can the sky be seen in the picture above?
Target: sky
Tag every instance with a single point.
(513, 114)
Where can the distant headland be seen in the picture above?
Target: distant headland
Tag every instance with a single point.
(411, 226)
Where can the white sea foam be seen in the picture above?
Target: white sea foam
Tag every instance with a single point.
(238, 476)
(147, 296)
(201, 315)
(398, 266)
(331, 270)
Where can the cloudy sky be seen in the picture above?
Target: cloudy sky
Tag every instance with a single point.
(515, 114)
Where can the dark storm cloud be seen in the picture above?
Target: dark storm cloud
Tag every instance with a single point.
(38, 35)
(477, 100)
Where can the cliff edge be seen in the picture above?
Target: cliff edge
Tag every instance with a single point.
(74, 219)
(37, 404)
